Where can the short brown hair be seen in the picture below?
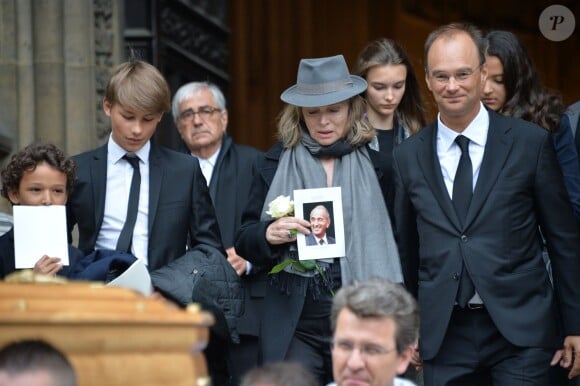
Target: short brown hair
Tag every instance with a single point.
(26, 160)
(26, 356)
(279, 374)
(450, 30)
(380, 298)
(140, 86)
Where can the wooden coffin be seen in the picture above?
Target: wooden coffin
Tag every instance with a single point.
(112, 336)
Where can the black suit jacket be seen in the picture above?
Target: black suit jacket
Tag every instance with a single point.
(311, 240)
(180, 208)
(229, 189)
(230, 185)
(519, 188)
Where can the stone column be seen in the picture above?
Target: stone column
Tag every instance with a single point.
(8, 77)
(9, 84)
(25, 74)
(48, 32)
(48, 72)
(79, 76)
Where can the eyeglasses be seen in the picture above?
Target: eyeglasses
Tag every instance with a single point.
(460, 76)
(205, 112)
(346, 347)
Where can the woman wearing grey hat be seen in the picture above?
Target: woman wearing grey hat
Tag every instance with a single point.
(323, 143)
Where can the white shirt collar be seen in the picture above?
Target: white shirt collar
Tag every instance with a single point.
(116, 152)
(318, 240)
(476, 131)
(211, 160)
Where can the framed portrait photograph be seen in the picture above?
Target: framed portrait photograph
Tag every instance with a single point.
(323, 209)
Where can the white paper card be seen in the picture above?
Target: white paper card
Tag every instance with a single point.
(38, 231)
(305, 201)
(136, 277)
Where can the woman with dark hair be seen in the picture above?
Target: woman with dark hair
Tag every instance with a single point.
(514, 88)
(39, 174)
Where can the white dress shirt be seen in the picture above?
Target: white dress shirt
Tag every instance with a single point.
(119, 176)
(207, 165)
(448, 150)
(449, 153)
(325, 241)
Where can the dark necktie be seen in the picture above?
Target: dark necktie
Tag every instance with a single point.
(126, 236)
(321, 242)
(462, 193)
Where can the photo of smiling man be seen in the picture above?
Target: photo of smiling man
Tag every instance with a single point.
(319, 224)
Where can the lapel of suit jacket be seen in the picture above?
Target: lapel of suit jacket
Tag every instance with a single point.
(497, 148)
(156, 170)
(229, 174)
(429, 164)
(98, 170)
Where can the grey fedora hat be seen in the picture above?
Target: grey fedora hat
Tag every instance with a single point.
(323, 82)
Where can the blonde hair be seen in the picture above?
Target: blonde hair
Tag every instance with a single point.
(290, 130)
(138, 85)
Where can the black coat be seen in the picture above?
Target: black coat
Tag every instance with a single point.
(281, 311)
(229, 189)
(230, 185)
(203, 276)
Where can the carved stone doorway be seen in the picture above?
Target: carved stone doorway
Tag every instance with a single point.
(186, 39)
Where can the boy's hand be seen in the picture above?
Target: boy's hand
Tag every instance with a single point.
(48, 265)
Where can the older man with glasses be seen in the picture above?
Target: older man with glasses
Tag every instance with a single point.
(200, 114)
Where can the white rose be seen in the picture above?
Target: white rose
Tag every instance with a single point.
(281, 206)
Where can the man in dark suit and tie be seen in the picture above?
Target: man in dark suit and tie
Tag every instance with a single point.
(201, 117)
(319, 224)
(472, 191)
(133, 195)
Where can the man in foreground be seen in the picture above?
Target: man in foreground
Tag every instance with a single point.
(34, 362)
(375, 326)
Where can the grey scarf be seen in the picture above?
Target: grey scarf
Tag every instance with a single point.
(370, 245)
